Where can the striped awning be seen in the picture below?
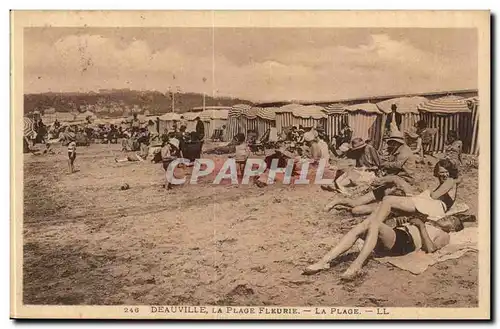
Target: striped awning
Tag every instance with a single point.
(250, 113)
(267, 113)
(237, 109)
(335, 108)
(445, 105)
(29, 128)
(302, 111)
(472, 101)
(404, 104)
(364, 107)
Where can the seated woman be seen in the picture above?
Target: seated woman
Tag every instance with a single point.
(399, 241)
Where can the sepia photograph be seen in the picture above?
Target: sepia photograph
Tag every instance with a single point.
(250, 165)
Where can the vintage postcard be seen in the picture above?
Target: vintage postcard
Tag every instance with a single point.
(250, 165)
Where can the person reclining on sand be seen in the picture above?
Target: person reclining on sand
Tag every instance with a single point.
(397, 172)
(365, 171)
(403, 239)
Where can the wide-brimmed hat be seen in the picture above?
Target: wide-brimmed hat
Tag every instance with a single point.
(396, 136)
(357, 143)
(309, 136)
(174, 142)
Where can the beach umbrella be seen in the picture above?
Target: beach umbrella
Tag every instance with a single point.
(404, 104)
(29, 128)
(445, 105)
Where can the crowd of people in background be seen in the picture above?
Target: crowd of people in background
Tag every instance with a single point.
(380, 182)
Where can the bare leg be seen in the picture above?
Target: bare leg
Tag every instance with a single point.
(376, 219)
(365, 209)
(70, 167)
(362, 200)
(344, 244)
(342, 182)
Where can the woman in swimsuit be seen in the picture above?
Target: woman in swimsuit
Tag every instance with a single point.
(380, 237)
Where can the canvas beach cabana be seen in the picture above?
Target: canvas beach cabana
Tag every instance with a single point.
(300, 115)
(258, 120)
(166, 121)
(445, 114)
(337, 114)
(407, 107)
(473, 148)
(234, 124)
(366, 121)
(212, 120)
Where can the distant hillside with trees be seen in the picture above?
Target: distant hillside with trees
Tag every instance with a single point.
(117, 102)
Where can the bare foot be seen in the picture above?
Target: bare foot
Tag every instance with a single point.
(315, 268)
(352, 272)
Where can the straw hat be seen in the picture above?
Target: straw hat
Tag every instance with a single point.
(397, 136)
(174, 142)
(357, 143)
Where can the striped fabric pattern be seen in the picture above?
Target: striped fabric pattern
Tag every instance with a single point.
(335, 108)
(287, 119)
(29, 128)
(364, 107)
(445, 105)
(404, 104)
(473, 103)
(334, 122)
(367, 125)
(267, 113)
(237, 109)
(305, 112)
(460, 122)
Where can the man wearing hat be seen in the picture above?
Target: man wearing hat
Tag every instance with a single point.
(367, 165)
(393, 121)
(397, 170)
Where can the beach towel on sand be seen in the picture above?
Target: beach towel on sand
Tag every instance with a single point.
(417, 262)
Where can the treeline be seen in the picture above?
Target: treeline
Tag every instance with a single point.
(122, 100)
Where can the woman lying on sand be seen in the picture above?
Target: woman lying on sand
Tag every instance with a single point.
(403, 239)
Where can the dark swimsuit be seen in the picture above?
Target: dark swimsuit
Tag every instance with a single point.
(403, 244)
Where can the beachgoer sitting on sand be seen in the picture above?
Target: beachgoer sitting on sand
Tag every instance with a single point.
(170, 151)
(318, 148)
(365, 171)
(397, 171)
(430, 236)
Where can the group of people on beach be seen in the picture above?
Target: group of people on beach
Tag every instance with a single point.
(392, 189)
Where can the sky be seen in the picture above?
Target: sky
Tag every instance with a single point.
(258, 64)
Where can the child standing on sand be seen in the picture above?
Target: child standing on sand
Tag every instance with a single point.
(71, 156)
(241, 154)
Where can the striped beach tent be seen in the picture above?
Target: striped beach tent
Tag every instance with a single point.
(212, 120)
(257, 119)
(337, 114)
(407, 107)
(300, 115)
(166, 121)
(366, 122)
(29, 128)
(234, 126)
(473, 104)
(447, 113)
